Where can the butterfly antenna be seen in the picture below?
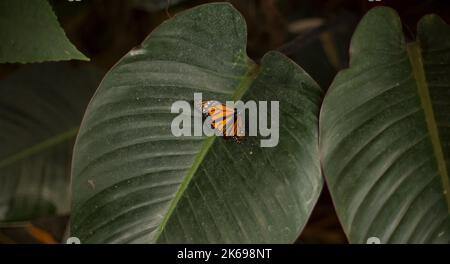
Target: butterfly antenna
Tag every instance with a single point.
(167, 9)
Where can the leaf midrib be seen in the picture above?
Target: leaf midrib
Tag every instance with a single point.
(245, 83)
(41, 146)
(415, 56)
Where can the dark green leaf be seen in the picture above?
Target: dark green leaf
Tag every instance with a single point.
(30, 32)
(385, 134)
(40, 110)
(133, 181)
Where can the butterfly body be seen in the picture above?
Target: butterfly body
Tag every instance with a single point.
(225, 120)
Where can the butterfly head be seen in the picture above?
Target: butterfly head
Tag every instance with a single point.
(209, 107)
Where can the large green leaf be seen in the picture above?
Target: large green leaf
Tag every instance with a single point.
(385, 134)
(30, 32)
(41, 107)
(133, 181)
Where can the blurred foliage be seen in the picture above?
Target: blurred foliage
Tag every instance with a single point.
(50, 230)
(384, 133)
(30, 32)
(41, 107)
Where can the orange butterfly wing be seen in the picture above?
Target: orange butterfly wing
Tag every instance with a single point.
(224, 119)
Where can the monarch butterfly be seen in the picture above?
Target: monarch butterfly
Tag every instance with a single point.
(227, 121)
